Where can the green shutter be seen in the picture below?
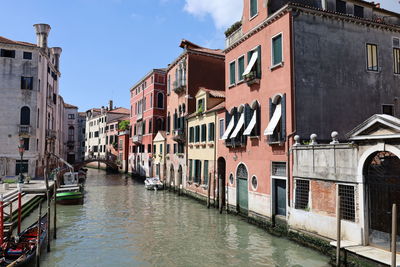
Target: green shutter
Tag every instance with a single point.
(240, 68)
(277, 50)
(253, 8)
(258, 63)
(206, 172)
(232, 73)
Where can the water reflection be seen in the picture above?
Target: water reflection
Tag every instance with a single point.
(122, 224)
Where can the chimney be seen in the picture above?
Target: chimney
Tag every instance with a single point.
(42, 32)
(56, 51)
(110, 104)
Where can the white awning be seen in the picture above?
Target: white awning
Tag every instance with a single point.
(239, 126)
(229, 129)
(252, 123)
(251, 63)
(274, 120)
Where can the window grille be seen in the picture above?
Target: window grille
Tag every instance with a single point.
(278, 169)
(302, 194)
(347, 208)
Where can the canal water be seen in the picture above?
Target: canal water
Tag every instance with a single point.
(122, 224)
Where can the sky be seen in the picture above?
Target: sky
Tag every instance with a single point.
(109, 45)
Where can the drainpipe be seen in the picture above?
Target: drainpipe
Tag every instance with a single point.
(292, 100)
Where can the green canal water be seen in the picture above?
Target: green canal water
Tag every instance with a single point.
(122, 224)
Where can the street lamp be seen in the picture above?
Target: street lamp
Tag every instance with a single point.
(21, 149)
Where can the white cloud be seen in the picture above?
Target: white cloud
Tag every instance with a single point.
(223, 12)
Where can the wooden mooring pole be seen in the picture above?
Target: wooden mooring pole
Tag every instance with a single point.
(19, 207)
(338, 231)
(55, 208)
(38, 236)
(394, 234)
(1, 219)
(46, 177)
(208, 195)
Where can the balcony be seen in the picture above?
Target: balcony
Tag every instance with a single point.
(179, 87)
(51, 134)
(231, 39)
(126, 132)
(236, 142)
(24, 129)
(139, 116)
(252, 78)
(137, 139)
(179, 136)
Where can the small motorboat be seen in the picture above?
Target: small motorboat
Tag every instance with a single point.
(153, 183)
(21, 251)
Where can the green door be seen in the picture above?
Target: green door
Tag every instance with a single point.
(280, 197)
(242, 189)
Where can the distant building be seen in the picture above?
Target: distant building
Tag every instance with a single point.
(29, 104)
(81, 135)
(148, 109)
(71, 133)
(95, 130)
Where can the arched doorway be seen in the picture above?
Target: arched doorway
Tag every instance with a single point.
(221, 168)
(179, 176)
(171, 174)
(242, 188)
(382, 180)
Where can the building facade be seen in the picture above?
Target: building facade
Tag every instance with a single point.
(71, 133)
(276, 88)
(148, 107)
(196, 67)
(30, 104)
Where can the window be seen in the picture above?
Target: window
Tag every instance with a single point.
(150, 126)
(253, 69)
(151, 100)
(197, 134)
(26, 144)
(372, 57)
(197, 171)
(71, 116)
(358, 11)
(27, 55)
(347, 208)
(211, 132)
(169, 84)
(388, 110)
(231, 179)
(254, 182)
(232, 73)
(160, 100)
(396, 60)
(7, 53)
(167, 149)
(161, 148)
(71, 133)
(277, 50)
(181, 148)
(203, 133)
(276, 129)
(191, 135)
(221, 128)
(25, 118)
(341, 6)
(168, 123)
(148, 148)
(154, 149)
(205, 172)
(96, 134)
(302, 194)
(27, 83)
(240, 68)
(278, 169)
(253, 8)
(190, 170)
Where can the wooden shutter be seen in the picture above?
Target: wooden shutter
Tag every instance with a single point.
(283, 118)
(248, 113)
(258, 63)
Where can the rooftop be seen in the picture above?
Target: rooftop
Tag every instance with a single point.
(9, 41)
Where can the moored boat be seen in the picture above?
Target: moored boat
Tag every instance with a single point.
(70, 195)
(153, 183)
(21, 251)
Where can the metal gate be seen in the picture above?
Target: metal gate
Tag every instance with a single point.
(242, 189)
(382, 173)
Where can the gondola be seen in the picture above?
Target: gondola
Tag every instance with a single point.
(21, 251)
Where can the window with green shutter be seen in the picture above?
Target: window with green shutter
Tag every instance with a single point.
(191, 135)
(277, 50)
(253, 8)
(240, 68)
(205, 172)
(232, 73)
(203, 133)
(197, 134)
(211, 131)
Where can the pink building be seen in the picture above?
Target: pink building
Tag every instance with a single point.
(148, 107)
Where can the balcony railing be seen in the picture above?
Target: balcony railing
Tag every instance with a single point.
(179, 87)
(236, 142)
(179, 135)
(137, 139)
(25, 129)
(50, 134)
(236, 35)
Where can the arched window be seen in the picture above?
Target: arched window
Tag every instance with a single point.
(71, 133)
(241, 172)
(25, 116)
(160, 100)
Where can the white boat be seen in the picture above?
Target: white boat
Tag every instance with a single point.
(153, 183)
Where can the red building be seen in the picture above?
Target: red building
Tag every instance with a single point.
(148, 109)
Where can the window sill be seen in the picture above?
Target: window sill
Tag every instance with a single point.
(231, 85)
(277, 66)
(254, 136)
(204, 186)
(253, 17)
